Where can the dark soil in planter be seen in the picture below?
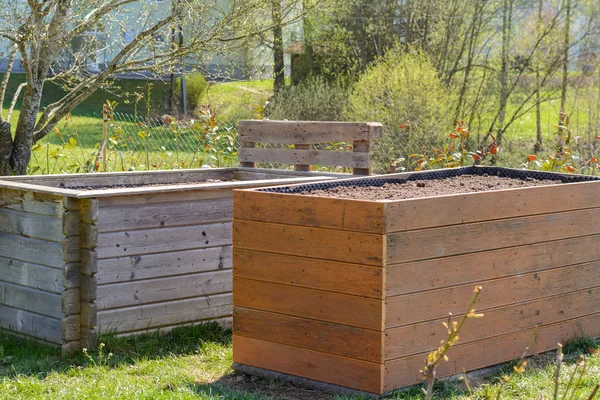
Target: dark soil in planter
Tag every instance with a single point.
(130, 186)
(429, 187)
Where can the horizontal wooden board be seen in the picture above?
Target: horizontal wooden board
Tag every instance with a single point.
(30, 324)
(475, 267)
(480, 236)
(31, 250)
(416, 338)
(31, 275)
(404, 215)
(484, 353)
(164, 215)
(354, 279)
(31, 202)
(127, 294)
(320, 212)
(137, 242)
(338, 308)
(327, 244)
(147, 266)
(432, 304)
(28, 299)
(34, 225)
(160, 198)
(307, 132)
(342, 371)
(152, 316)
(320, 336)
(304, 157)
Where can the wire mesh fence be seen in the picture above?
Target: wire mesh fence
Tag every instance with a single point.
(134, 143)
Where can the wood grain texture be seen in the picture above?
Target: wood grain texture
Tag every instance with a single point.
(476, 267)
(138, 242)
(353, 279)
(421, 337)
(161, 198)
(304, 157)
(37, 226)
(436, 304)
(31, 324)
(322, 212)
(146, 266)
(162, 289)
(306, 132)
(324, 337)
(490, 235)
(347, 372)
(338, 308)
(28, 299)
(164, 215)
(31, 202)
(152, 316)
(484, 353)
(31, 275)
(404, 215)
(327, 244)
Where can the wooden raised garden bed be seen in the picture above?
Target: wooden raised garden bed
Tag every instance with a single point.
(354, 292)
(130, 252)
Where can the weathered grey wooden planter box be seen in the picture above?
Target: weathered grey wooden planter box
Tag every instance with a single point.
(353, 293)
(75, 262)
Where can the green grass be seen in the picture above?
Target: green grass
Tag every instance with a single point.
(195, 363)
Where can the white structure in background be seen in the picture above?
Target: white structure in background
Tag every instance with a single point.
(107, 39)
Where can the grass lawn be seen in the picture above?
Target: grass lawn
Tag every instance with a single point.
(194, 363)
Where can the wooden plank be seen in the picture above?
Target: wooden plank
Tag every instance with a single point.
(484, 353)
(160, 198)
(30, 202)
(164, 215)
(70, 327)
(307, 132)
(245, 163)
(353, 279)
(28, 299)
(32, 225)
(71, 301)
(338, 370)
(126, 269)
(163, 289)
(31, 250)
(254, 174)
(475, 267)
(320, 336)
(421, 337)
(151, 316)
(130, 243)
(304, 167)
(364, 147)
(338, 308)
(299, 157)
(30, 324)
(406, 215)
(326, 244)
(321, 212)
(435, 304)
(490, 235)
(31, 275)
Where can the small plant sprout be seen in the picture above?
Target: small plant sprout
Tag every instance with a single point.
(435, 357)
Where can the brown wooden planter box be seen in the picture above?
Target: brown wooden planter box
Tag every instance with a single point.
(353, 293)
(128, 260)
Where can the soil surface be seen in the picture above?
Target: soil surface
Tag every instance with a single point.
(427, 188)
(130, 186)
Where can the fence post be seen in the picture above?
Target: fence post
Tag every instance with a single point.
(104, 134)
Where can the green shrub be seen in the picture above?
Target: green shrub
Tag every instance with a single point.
(399, 87)
(312, 100)
(195, 89)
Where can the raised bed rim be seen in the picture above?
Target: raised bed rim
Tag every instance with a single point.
(18, 183)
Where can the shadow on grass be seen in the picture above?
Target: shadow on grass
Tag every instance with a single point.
(21, 356)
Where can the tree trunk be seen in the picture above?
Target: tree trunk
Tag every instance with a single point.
(538, 95)
(6, 146)
(278, 62)
(504, 90)
(565, 64)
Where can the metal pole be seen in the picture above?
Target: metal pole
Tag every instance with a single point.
(104, 135)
